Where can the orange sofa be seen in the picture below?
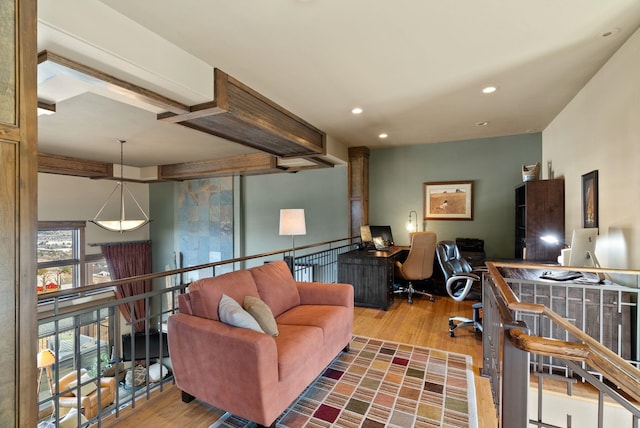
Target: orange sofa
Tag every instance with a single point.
(250, 374)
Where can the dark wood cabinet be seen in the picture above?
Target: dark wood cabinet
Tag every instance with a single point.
(539, 212)
(371, 274)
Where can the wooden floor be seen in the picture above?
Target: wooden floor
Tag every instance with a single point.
(423, 323)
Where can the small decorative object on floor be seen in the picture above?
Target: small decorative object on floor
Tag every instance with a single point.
(531, 172)
(157, 372)
(136, 376)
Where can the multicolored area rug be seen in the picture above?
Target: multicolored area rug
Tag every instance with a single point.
(384, 384)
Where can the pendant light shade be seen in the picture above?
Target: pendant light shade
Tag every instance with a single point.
(121, 224)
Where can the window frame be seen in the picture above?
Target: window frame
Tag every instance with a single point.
(79, 259)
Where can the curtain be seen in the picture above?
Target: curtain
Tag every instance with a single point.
(125, 260)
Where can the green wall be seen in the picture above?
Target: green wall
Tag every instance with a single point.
(396, 187)
(494, 164)
(321, 192)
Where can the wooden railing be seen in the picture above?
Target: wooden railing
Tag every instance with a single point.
(618, 372)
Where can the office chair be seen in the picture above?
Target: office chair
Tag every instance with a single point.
(418, 264)
(461, 283)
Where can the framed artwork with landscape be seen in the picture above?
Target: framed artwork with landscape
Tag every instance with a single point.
(448, 200)
(590, 199)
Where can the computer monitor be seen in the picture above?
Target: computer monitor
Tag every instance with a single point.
(384, 233)
(583, 248)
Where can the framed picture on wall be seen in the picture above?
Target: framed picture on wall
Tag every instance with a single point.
(448, 200)
(590, 199)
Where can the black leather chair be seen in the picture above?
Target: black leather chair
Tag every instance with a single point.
(462, 283)
(418, 265)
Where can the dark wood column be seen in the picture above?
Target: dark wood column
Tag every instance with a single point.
(18, 213)
(358, 188)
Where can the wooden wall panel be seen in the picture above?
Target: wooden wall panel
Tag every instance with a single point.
(18, 213)
(8, 62)
(8, 280)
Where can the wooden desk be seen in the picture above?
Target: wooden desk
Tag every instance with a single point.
(371, 274)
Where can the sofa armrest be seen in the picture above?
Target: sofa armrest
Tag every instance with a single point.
(108, 382)
(217, 362)
(322, 293)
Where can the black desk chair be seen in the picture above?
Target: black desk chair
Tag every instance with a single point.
(462, 283)
(418, 264)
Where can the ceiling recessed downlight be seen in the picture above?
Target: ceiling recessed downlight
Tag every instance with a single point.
(356, 110)
(482, 123)
(610, 32)
(383, 135)
(489, 89)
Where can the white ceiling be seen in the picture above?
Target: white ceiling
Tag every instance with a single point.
(416, 68)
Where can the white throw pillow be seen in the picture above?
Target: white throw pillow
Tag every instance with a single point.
(70, 420)
(157, 372)
(230, 312)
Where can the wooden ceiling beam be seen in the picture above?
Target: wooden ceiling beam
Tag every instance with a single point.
(135, 91)
(244, 116)
(241, 165)
(55, 164)
(47, 106)
(249, 164)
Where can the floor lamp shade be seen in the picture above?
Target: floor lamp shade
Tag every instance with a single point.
(292, 222)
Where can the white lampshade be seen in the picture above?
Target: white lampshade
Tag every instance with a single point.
(292, 222)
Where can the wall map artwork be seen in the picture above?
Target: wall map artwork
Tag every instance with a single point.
(204, 215)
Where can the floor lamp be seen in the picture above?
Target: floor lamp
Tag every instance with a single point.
(292, 223)
(45, 360)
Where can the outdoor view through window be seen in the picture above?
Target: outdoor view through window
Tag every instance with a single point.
(60, 258)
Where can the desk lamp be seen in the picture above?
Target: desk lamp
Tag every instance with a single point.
(412, 225)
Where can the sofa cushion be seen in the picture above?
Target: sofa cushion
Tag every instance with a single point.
(262, 313)
(276, 286)
(232, 313)
(206, 293)
(333, 320)
(297, 348)
(86, 389)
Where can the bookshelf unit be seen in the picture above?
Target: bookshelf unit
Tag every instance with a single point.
(539, 211)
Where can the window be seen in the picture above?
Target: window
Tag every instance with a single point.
(62, 263)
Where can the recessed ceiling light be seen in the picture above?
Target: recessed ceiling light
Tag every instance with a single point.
(489, 90)
(383, 135)
(482, 123)
(610, 32)
(356, 110)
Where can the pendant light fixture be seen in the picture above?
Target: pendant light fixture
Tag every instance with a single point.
(121, 225)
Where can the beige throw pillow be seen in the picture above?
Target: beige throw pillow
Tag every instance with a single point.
(262, 313)
(230, 312)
